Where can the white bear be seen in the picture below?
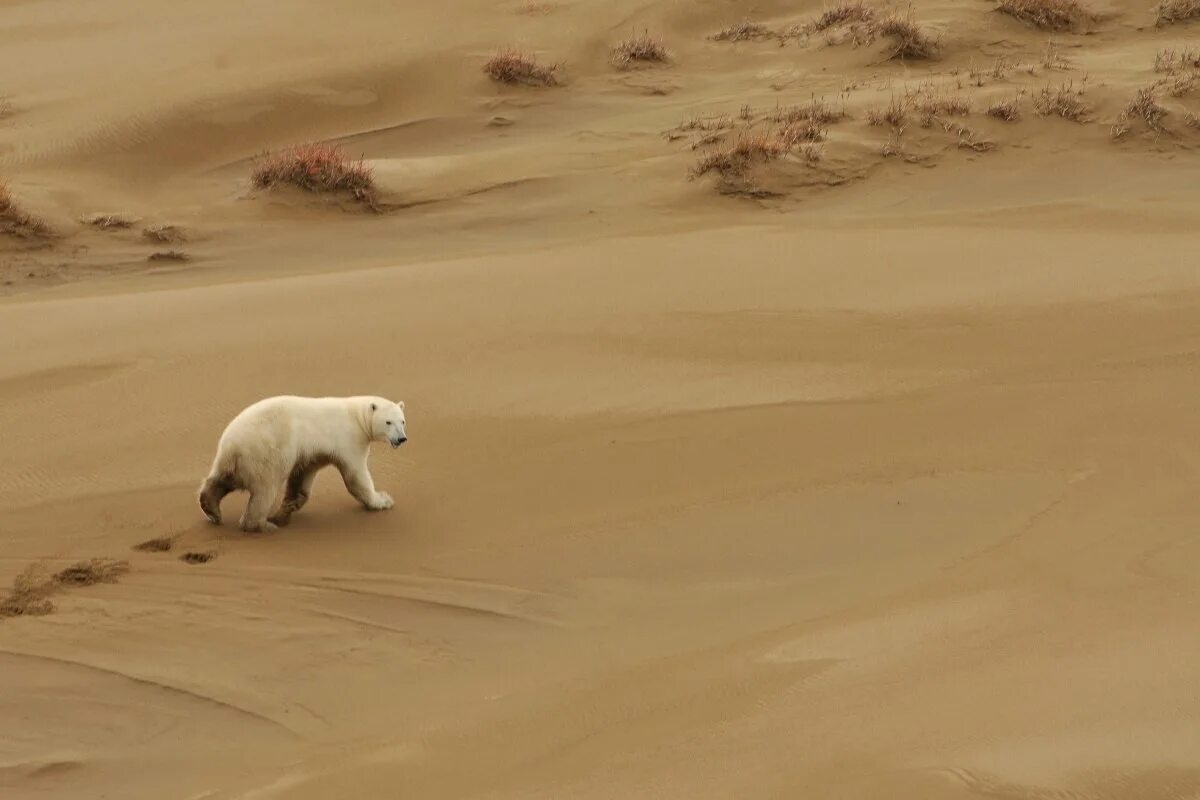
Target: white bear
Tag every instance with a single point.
(288, 439)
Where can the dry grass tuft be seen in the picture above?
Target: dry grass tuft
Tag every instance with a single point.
(198, 557)
(816, 111)
(1064, 101)
(999, 70)
(107, 222)
(908, 40)
(932, 104)
(1181, 84)
(31, 590)
(742, 32)
(1170, 60)
(15, 221)
(167, 234)
(641, 49)
(749, 149)
(1143, 107)
(967, 139)
(1052, 59)
(1191, 120)
(895, 114)
(519, 69)
(844, 13)
(1172, 11)
(1007, 110)
(316, 168)
(1049, 15)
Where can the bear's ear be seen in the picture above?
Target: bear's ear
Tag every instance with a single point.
(401, 404)
(373, 407)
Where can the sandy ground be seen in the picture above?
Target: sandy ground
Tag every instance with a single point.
(874, 477)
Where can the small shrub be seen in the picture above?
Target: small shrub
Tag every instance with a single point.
(316, 168)
(641, 49)
(1063, 101)
(1172, 11)
(741, 32)
(516, 68)
(1049, 15)
(908, 40)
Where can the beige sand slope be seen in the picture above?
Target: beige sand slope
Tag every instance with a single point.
(882, 485)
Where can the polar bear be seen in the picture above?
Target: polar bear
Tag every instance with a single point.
(289, 439)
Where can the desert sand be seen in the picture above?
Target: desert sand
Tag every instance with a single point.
(868, 471)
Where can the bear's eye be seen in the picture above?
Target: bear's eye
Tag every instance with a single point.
(389, 422)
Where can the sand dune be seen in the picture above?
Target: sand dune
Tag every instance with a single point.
(861, 469)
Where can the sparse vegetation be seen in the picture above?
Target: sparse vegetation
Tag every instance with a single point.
(1170, 60)
(15, 221)
(1007, 110)
(966, 138)
(1143, 107)
(32, 588)
(999, 70)
(1052, 59)
(932, 104)
(815, 111)
(742, 31)
(1063, 101)
(1049, 15)
(1172, 11)
(316, 168)
(640, 49)
(1191, 120)
(521, 69)
(894, 114)
(735, 159)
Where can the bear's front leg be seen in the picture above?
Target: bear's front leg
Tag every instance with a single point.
(359, 484)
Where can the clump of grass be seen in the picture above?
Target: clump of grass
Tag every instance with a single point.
(1144, 107)
(517, 68)
(741, 32)
(1191, 120)
(1062, 101)
(999, 70)
(167, 234)
(15, 221)
(1052, 59)
(967, 139)
(106, 222)
(748, 149)
(843, 13)
(640, 49)
(316, 168)
(198, 557)
(1049, 15)
(895, 114)
(816, 111)
(1181, 84)
(1007, 110)
(1172, 11)
(932, 104)
(169, 255)
(1170, 60)
(908, 40)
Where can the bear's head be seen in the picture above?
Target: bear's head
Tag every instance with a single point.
(387, 422)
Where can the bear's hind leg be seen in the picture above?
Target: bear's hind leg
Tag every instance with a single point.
(212, 491)
(299, 486)
(262, 502)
